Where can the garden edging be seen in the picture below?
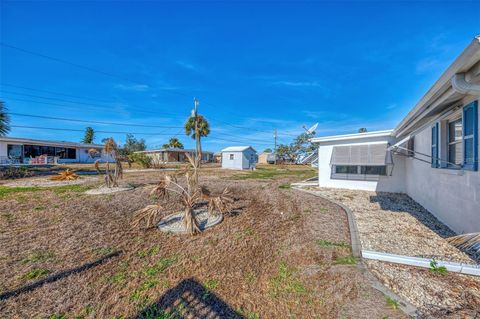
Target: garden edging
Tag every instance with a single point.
(404, 305)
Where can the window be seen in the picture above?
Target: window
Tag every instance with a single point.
(411, 146)
(346, 169)
(455, 141)
(470, 136)
(71, 153)
(435, 161)
(232, 157)
(358, 172)
(14, 152)
(373, 170)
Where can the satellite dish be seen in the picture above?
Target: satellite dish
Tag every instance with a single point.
(312, 129)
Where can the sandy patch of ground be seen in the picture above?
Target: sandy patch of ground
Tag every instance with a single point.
(46, 182)
(103, 190)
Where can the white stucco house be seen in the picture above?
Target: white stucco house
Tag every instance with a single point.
(432, 154)
(239, 157)
(18, 151)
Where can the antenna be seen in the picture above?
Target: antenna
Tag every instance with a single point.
(312, 129)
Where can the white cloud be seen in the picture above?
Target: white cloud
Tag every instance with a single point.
(298, 83)
(133, 87)
(187, 65)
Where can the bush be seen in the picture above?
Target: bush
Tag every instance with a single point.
(15, 172)
(143, 159)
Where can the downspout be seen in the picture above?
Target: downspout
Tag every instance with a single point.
(460, 85)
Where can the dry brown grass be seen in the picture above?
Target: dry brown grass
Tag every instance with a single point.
(264, 260)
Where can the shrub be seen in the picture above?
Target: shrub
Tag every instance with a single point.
(15, 172)
(143, 159)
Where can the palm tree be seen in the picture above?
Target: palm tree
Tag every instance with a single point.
(203, 130)
(4, 120)
(173, 142)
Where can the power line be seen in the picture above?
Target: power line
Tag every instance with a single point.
(88, 121)
(78, 130)
(52, 92)
(81, 66)
(59, 60)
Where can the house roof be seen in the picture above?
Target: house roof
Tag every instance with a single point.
(441, 95)
(237, 148)
(20, 140)
(386, 133)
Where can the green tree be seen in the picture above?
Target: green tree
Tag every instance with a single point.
(203, 126)
(173, 142)
(4, 120)
(301, 145)
(267, 150)
(89, 135)
(133, 145)
(197, 124)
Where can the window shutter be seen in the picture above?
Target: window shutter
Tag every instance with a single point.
(470, 136)
(435, 146)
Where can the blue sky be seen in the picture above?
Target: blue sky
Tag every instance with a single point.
(254, 66)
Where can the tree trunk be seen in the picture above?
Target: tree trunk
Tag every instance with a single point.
(190, 221)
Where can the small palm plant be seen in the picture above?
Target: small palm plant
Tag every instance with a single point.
(111, 178)
(191, 196)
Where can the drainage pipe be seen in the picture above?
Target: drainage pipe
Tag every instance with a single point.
(460, 85)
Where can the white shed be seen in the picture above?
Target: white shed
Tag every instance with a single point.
(239, 157)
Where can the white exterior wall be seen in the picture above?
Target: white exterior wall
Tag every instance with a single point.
(453, 196)
(394, 183)
(241, 160)
(3, 149)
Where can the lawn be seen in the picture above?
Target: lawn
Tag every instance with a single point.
(278, 171)
(279, 254)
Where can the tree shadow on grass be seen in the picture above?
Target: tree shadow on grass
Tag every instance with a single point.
(189, 299)
(55, 277)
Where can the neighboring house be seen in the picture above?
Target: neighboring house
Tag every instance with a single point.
(15, 150)
(263, 157)
(217, 157)
(432, 155)
(239, 157)
(174, 155)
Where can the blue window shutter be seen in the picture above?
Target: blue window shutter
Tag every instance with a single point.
(435, 161)
(470, 136)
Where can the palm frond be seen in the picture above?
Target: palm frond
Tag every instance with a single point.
(149, 215)
(222, 203)
(469, 242)
(66, 175)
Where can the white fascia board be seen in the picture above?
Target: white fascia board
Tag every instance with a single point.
(385, 133)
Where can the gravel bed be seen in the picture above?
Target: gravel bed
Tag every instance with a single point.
(437, 296)
(174, 222)
(394, 223)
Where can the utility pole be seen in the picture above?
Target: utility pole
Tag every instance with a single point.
(275, 149)
(197, 135)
